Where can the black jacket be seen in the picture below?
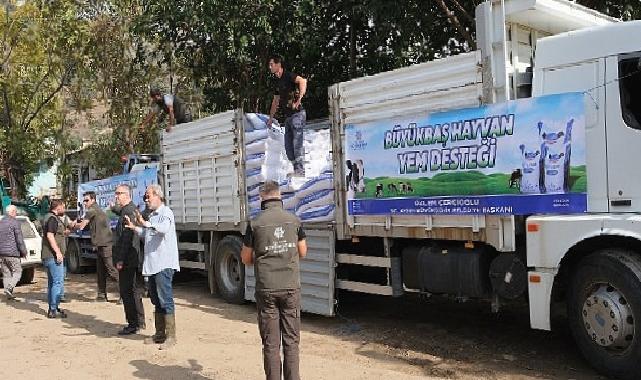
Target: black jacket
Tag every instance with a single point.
(126, 245)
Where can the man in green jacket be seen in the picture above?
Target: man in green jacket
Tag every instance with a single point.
(101, 237)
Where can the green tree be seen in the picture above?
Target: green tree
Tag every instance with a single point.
(623, 9)
(41, 50)
(226, 45)
(119, 70)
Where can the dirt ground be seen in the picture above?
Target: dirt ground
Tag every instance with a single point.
(373, 338)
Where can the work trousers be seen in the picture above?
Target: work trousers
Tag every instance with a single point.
(279, 321)
(11, 271)
(294, 139)
(105, 268)
(131, 289)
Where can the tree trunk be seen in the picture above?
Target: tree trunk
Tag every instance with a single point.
(16, 179)
(352, 45)
(457, 24)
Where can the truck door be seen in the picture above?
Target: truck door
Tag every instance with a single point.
(585, 76)
(623, 128)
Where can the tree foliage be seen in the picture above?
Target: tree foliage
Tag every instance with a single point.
(41, 50)
(226, 45)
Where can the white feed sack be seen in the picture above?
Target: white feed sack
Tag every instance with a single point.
(311, 197)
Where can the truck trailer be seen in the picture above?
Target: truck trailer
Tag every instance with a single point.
(499, 174)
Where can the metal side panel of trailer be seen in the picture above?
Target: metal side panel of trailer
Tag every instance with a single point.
(201, 162)
(316, 274)
(448, 83)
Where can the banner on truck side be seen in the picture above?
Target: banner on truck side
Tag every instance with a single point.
(521, 157)
(105, 188)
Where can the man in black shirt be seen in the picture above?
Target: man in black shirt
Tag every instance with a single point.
(54, 247)
(126, 256)
(169, 104)
(289, 89)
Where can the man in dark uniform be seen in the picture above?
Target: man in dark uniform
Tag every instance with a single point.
(100, 228)
(289, 89)
(170, 105)
(274, 243)
(126, 251)
(54, 247)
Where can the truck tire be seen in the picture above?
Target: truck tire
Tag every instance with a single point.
(604, 311)
(230, 271)
(211, 269)
(73, 257)
(27, 276)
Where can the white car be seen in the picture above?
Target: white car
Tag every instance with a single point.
(33, 241)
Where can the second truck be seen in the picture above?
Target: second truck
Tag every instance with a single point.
(503, 173)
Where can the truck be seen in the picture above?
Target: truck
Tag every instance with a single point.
(139, 171)
(31, 207)
(498, 174)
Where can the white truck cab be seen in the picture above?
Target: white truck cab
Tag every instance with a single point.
(593, 261)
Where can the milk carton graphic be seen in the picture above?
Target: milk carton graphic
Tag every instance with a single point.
(556, 150)
(530, 169)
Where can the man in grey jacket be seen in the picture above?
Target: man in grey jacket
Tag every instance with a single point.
(12, 248)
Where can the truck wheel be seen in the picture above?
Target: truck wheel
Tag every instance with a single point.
(27, 276)
(604, 311)
(211, 270)
(73, 257)
(230, 271)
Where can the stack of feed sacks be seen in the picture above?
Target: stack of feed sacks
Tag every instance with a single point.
(265, 157)
(315, 193)
(311, 197)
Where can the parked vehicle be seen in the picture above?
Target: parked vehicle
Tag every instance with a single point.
(33, 241)
(139, 171)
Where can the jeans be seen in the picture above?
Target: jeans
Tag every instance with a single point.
(55, 281)
(64, 276)
(161, 291)
(279, 321)
(294, 140)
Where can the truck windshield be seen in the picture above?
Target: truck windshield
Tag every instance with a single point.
(630, 89)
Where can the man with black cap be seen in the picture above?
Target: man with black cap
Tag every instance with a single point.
(274, 243)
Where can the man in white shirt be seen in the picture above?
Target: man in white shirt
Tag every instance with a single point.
(160, 263)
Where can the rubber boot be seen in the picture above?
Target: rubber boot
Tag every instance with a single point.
(170, 329)
(160, 335)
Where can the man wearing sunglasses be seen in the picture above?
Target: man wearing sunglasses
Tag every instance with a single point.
(101, 238)
(126, 251)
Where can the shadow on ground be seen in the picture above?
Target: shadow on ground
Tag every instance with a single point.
(146, 370)
(437, 337)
